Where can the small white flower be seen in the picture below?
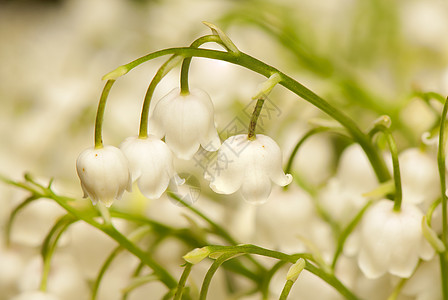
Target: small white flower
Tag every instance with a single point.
(186, 121)
(249, 165)
(151, 164)
(392, 241)
(104, 174)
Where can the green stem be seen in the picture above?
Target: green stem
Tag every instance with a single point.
(163, 70)
(254, 119)
(49, 246)
(182, 281)
(103, 270)
(286, 289)
(267, 279)
(299, 144)
(397, 290)
(134, 236)
(184, 87)
(12, 216)
(395, 163)
(344, 235)
(211, 271)
(442, 171)
(108, 229)
(100, 114)
(260, 67)
(252, 249)
(217, 228)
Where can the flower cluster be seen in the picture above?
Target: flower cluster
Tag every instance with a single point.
(186, 121)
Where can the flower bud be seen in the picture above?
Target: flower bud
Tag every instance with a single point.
(295, 270)
(197, 255)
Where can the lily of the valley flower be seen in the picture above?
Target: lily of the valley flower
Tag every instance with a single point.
(186, 121)
(151, 164)
(249, 165)
(392, 241)
(104, 174)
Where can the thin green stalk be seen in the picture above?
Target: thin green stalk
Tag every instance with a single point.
(184, 86)
(100, 114)
(254, 119)
(211, 271)
(137, 282)
(302, 140)
(260, 67)
(217, 228)
(442, 169)
(268, 277)
(49, 246)
(103, 270)
(397, 290)
(398, 196)
(344, 235)
(182, 281)
(163, 70)
(252, 249)
(12, 216)
(286, 289)
(112, 232)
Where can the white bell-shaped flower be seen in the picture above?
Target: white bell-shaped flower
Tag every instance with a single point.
(392, 241)
(104, 174)
(186, 121)
(250, 165)
(151, 164)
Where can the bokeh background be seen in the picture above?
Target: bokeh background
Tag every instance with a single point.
(368, 58)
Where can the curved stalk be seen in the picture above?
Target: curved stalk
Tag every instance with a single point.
(442, 175)
(262, 68)
(100, 114)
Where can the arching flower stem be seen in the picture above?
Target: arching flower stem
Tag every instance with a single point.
(442, 174)
(260, 67)
(184, 87)
(163, 70)
(254, 119)
(100, 114)
(398, 196)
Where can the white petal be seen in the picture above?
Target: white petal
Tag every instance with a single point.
(152, 185)
(187, 121)
(227, 173)
(157, 125)
(256, 188)
(370, 267)
(269, 157)
(152, 162)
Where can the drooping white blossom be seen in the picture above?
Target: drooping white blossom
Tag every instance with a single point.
(151, 164)
(392, 241)
(249, 165)
(104, 174)
(186, 121)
